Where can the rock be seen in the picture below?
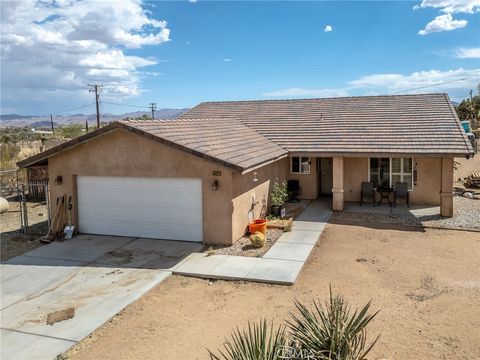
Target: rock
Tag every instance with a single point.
(60, 315)
(467, 195)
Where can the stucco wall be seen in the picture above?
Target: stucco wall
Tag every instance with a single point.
(355, 171)
(308, 182)
(245, 190)
(425, 192)
(121, 153)
(429, 179)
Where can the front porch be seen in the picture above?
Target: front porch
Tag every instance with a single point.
(429, 179)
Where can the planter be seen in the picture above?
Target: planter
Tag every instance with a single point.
(276, 210)
(258, 225)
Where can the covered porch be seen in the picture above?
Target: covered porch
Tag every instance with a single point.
(429, 180)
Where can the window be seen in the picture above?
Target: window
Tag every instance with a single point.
(387, 171)
(300, 165)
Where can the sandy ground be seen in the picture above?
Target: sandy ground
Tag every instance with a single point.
(426, 284)
(468, 167)
(12, 241)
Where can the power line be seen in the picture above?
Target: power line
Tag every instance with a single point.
(75, 108)
(128, 105)
(426, 87)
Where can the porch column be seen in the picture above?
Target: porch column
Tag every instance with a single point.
(446, 193)
(337, 203)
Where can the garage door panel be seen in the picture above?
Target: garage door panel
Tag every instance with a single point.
(161, 208)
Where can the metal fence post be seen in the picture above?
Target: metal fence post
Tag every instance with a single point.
(47, 197)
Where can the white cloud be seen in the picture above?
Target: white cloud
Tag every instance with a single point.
(192, 1)
(443, 81)
(328, 28)
(57, 47)
(467, 53)
(451, 6)
(456, 83)
(302, 92)
(443, 23)
(227, 60)
(447, 7)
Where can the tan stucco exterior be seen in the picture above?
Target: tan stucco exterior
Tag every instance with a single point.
(121, 153)
(226, 212)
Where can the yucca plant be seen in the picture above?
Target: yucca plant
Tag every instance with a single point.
(331, 331)
(260, 342)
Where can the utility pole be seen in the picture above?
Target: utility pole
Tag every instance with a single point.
(96, 89)
(153, 107)
(51, 122)
(86, 126)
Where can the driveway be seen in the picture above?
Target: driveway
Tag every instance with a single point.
(97, 276)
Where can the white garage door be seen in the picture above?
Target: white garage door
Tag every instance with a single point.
(157, 208)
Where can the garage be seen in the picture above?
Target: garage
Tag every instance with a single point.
(157, 208)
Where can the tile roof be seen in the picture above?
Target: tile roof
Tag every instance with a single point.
(226, 140)
(401, 124)
(244, 135)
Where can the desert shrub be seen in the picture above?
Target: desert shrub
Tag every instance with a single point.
(260, 342)
(257, 239)
(332, 331)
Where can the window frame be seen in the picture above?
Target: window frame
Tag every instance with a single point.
(401, 173)
(300, 172)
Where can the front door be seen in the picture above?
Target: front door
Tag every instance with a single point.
(326, 176)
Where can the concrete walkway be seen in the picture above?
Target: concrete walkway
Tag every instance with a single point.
(98, 276)
(280, 265)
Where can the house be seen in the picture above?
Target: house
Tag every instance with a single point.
(201, 177)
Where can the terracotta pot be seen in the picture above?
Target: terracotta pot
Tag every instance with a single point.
(258, 225)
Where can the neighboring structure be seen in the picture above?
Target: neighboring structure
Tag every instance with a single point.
(200, 177)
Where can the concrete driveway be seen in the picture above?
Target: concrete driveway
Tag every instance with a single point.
(98, 276)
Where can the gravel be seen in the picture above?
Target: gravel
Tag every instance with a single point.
(243, 247)
(466, 217)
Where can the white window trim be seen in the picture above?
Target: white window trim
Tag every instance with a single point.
(300, 165)
(390, 171)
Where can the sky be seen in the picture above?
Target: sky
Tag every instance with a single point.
(179, 53)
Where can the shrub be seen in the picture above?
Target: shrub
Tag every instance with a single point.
(332, 331)
(260, 342)
(329, 332)
(279, 193)
(257, 239)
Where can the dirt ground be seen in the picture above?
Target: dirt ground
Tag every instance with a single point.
(12, 241)
(426, 284)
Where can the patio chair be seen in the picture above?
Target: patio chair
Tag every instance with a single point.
(401, 192)
(367, 191)
(293, 190)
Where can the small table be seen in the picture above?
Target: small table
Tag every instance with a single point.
(385, 194)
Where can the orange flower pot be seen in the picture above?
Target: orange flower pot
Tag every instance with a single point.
(258, 225)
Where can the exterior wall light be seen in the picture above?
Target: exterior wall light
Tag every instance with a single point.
(255, 177)
(215, 185)
(59, 179)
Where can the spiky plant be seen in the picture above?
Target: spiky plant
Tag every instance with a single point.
(331, 331)
(260, 342)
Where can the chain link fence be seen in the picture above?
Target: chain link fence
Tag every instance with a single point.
(28, 211)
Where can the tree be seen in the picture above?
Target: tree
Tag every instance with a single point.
(469, 109)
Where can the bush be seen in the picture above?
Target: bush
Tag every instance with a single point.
(329, 332)
(279, 193)
(257, 239)
(260, 342)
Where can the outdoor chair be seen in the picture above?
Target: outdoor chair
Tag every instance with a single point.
(367, 191)
(401, 192)
(293, 190)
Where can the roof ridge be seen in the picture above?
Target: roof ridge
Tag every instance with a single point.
(314, 98)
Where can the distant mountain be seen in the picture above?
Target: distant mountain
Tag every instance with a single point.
(15, 120)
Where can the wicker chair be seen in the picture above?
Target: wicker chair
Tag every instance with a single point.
(401, 192)
(367, 191)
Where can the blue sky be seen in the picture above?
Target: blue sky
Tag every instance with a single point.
(180, 53)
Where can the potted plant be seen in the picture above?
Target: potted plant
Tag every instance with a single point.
(278, 197)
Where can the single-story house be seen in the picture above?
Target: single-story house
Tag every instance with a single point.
(202, 176)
